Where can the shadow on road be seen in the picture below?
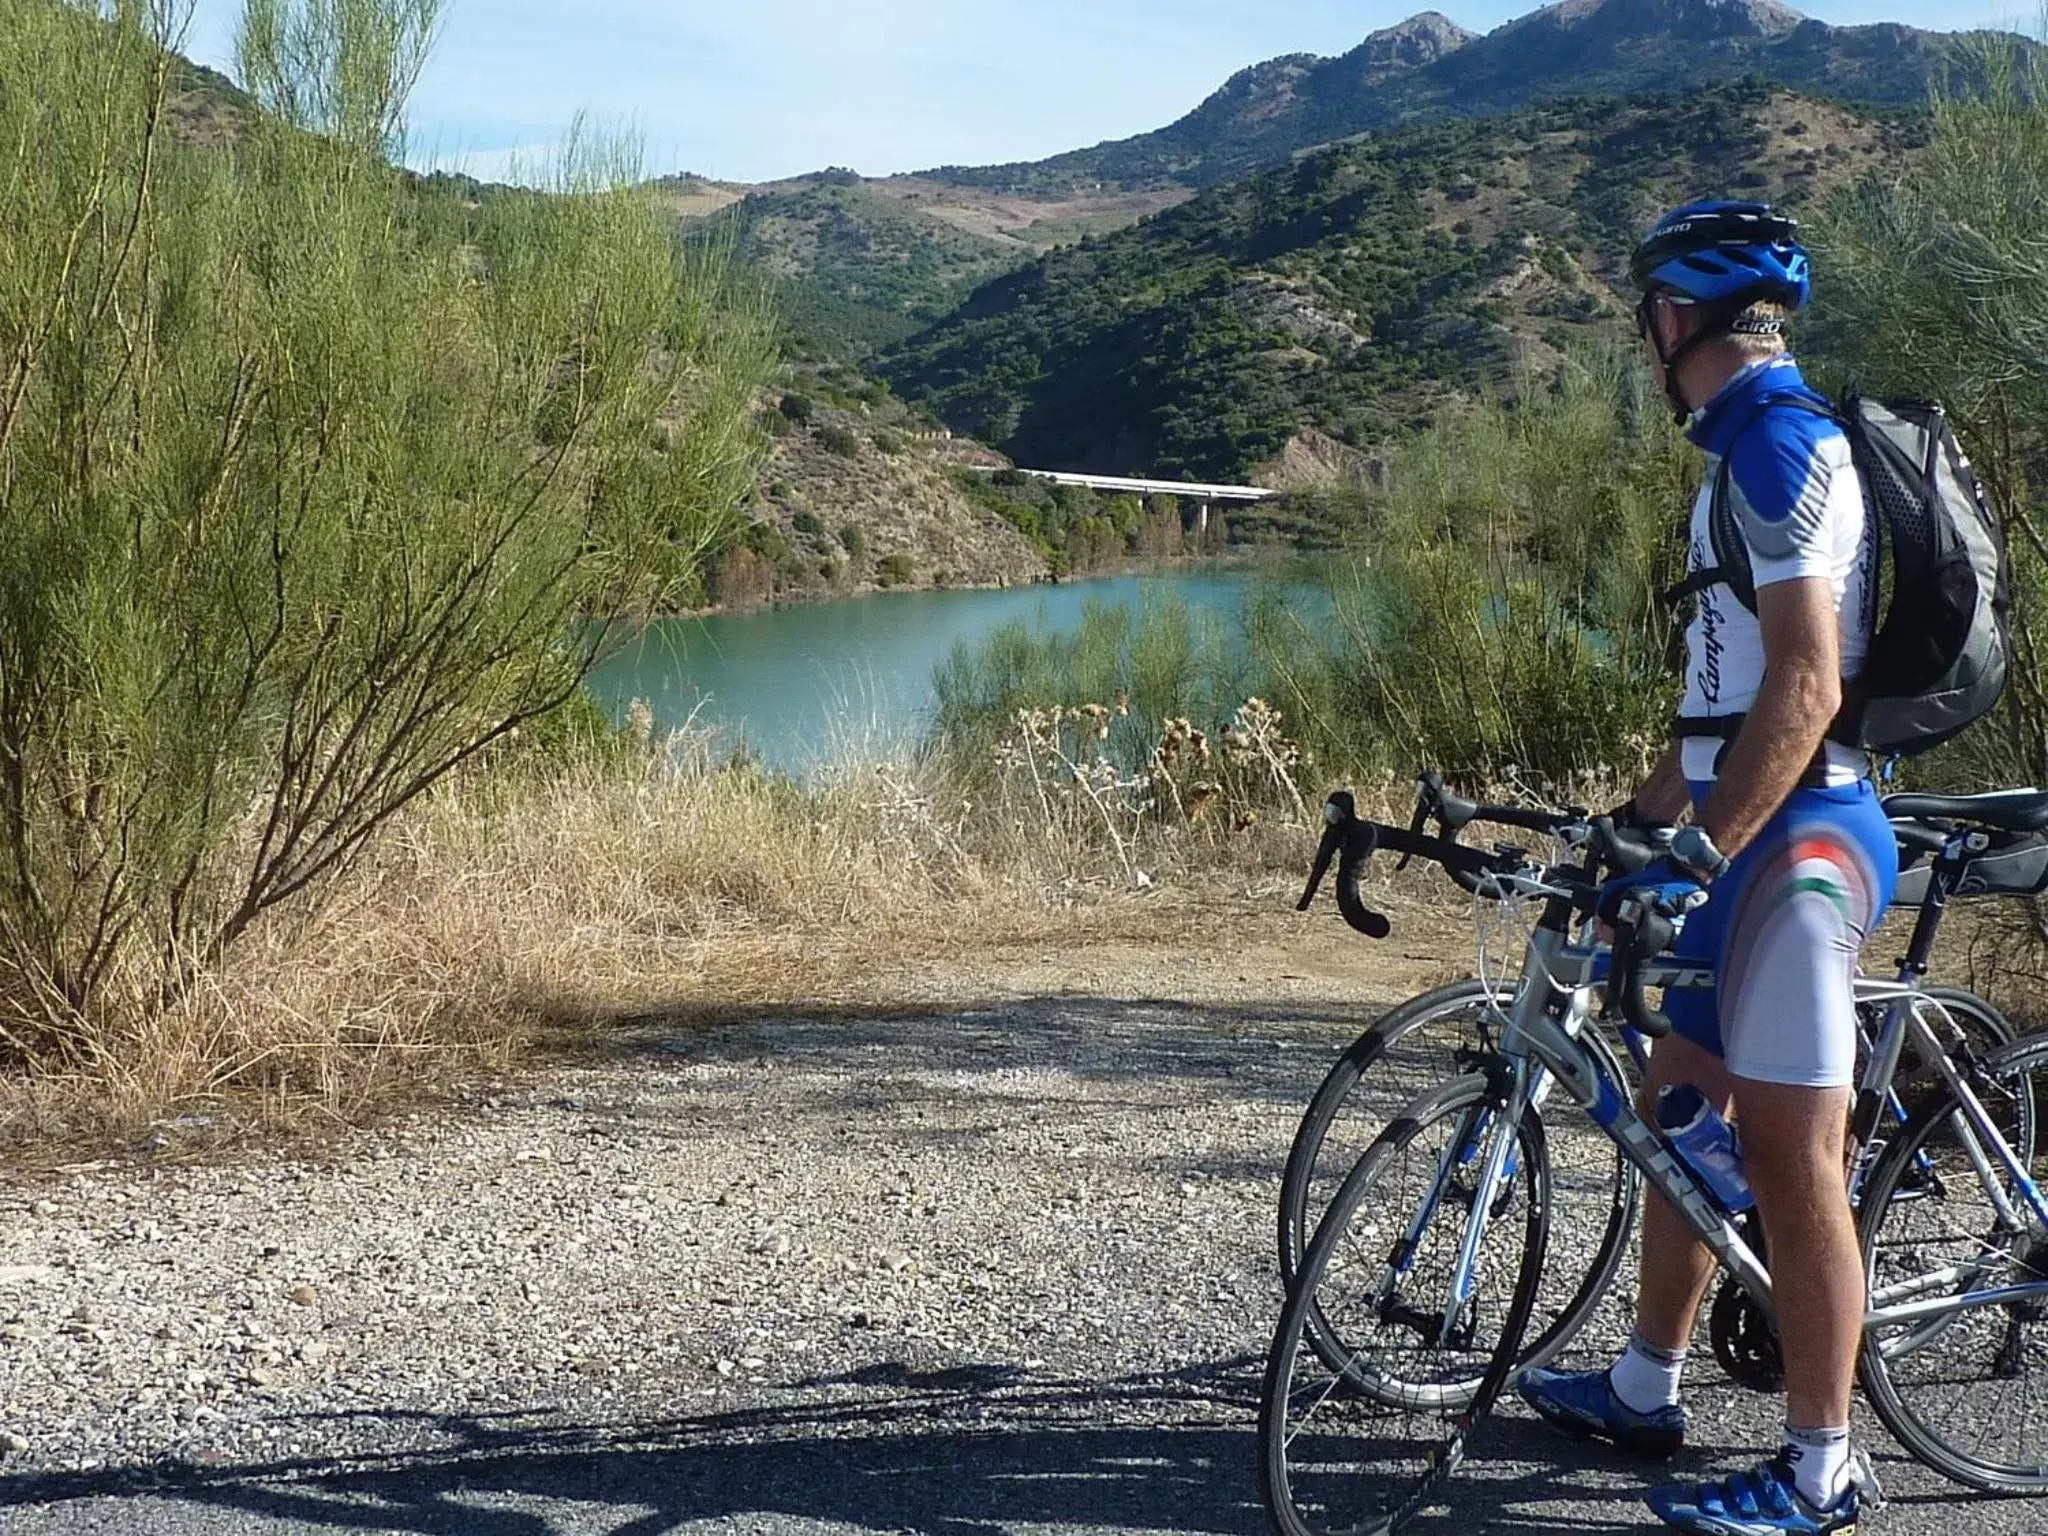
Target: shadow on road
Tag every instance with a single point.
(973, 1449)
(969, 1449)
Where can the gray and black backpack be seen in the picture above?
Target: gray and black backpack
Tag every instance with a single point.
(1941, 653)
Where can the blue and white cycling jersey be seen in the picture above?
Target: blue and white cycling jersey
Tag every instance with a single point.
(1798, 501)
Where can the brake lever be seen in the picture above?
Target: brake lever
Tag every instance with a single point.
(1340, 811)
(1641, 932)
(1325, 851)
(1358, 848)
(1344, 835)
(1429, 791)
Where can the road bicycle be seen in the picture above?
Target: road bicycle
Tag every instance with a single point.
(1416, 1044)
(1427, 1264)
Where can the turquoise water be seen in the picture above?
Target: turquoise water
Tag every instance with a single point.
(810, 684)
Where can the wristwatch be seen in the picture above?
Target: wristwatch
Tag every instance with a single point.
(1694, 852)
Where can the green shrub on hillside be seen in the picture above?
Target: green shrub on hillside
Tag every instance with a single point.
(895, 570)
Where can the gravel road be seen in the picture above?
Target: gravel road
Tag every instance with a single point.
(997, 1258)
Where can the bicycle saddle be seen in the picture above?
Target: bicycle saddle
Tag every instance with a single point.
(2008, 810)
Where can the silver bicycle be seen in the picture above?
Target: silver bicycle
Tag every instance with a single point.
(1595, 1191)
(1427, 1264)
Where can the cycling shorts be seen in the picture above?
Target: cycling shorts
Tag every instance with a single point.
(1782, 931)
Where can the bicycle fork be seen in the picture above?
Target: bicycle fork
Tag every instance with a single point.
(1487, 1139)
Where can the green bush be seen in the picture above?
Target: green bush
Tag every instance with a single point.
(1501, 610)
(895, 570)
(839, 440)
(314, 473)
(797, 408)
(853, 540)
(1933, 284)
(888, 442)
(809, 524)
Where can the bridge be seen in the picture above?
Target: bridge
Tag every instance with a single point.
(1186, 490)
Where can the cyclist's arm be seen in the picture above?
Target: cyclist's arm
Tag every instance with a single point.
(1665, 796)
(1802, 690)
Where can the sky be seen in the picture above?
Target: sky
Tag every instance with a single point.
(754, 90)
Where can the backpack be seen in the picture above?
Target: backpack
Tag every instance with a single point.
(1940, 657)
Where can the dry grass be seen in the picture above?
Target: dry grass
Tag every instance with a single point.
(525, 912)
(528, 913)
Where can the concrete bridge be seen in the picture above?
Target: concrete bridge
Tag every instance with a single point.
(1187, 490)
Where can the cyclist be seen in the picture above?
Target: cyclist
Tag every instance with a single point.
(1796, 854)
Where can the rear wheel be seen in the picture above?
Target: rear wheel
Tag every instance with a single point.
(1963, 1381)
(1365, 1446)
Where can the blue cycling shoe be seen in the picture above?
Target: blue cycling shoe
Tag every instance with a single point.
(1583, 1404)
(1764, 1502)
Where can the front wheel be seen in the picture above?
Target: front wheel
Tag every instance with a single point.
(1365, 1447)
(1594, 1190)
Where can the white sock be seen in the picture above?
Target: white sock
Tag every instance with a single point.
(1646, 1378)
(1820, 1463)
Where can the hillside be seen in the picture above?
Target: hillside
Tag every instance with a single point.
(864, 263)
(858, 269)
(1348, 292)
(858, 493)
(1429, 69)
(860, 264)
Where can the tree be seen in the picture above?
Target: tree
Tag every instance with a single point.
(1935, 284)
(317, 481)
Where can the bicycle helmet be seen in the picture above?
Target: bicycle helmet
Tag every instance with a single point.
(1726, 257)
(1714, 252)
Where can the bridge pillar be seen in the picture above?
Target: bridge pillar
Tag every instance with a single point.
(1202, 522)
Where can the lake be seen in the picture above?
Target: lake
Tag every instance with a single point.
(819, 681)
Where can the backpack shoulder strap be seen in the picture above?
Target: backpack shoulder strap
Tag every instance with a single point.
(1731, 567)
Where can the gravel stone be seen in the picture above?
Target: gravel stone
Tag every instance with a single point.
(996, 1256)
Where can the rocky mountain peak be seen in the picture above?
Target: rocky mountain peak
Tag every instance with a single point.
(1677, 19)
(1422, 39)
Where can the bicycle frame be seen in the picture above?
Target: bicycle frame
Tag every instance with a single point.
(1537, 1044)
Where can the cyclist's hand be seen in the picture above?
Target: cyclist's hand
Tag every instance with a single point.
(1662, 885)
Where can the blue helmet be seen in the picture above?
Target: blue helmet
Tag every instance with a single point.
(1715, 252)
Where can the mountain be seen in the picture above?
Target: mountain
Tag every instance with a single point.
(857, 268)
(862, 263)
(1350, 291)
(1429, 69)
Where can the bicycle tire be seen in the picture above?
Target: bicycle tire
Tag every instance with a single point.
(2004, 1085)
(1338, 1090)
(1429, 1465)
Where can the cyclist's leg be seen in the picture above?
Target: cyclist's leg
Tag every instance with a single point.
(1634, 1402)
(1676, 1266)
(1792, 1149)
(1804, 896)
(1821, 881)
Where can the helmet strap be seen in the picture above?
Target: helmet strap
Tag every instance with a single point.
(1717, 321)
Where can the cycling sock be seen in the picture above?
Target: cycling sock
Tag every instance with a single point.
(1646, 1377)
(1820, 1463)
